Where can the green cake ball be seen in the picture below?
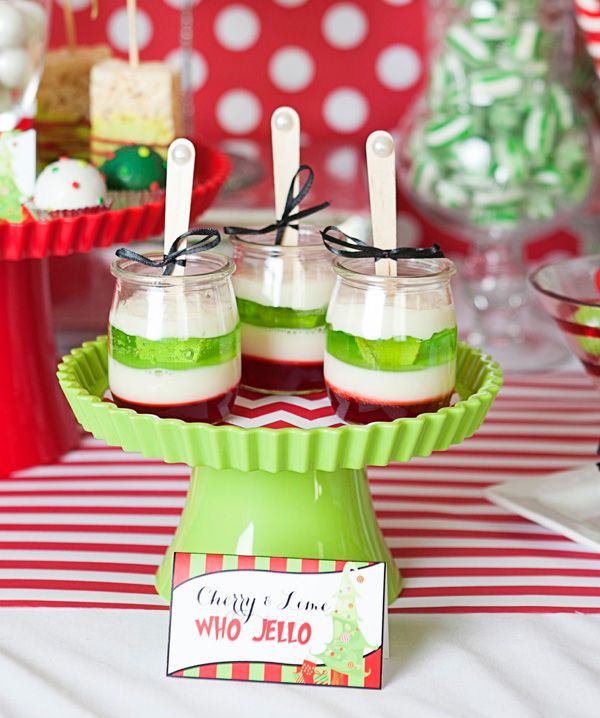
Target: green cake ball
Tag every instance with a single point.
(135, 167)
(589, 317)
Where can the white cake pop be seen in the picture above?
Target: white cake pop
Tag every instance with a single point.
(69, 184)
(13, 26)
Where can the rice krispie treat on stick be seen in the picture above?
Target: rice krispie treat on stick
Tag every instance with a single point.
(133, 104)
(63, 115)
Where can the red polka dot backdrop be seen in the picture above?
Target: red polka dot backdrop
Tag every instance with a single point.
(347, 66)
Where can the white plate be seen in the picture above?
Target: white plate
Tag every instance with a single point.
(567, 502)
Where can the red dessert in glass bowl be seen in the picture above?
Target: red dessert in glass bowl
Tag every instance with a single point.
(570, 292)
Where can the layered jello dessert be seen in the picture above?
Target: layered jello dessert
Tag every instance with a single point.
(391, 340)
(282, 296)
(174, 341)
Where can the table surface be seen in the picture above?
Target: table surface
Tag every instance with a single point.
(88, 532)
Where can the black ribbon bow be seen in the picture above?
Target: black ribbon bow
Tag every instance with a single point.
(210, 238)
(357, 249)
(291, 202)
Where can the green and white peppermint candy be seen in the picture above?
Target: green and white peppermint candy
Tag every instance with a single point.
(540, 132)
(451, 195)
(473, 156)
(425, 175)
(458, 82)
(471, 48)
(549, 177)
(504, 116)
(489, 86)
(493, 30)
(563, 106)
(438, 84)
(526, 45)
(509, 155)
(499, 198)
(571, 152)
(504, 143)
(581, 185)
(446, 132)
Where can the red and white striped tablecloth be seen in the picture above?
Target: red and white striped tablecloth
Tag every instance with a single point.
(90, 530)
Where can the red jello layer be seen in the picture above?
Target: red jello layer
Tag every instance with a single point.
(591, 363)
(210, 411)
(358, 411)
(282, 377)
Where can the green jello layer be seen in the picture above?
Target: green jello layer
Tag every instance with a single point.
(173, 354)
(589, 317)
(280, 317)
(396, 354)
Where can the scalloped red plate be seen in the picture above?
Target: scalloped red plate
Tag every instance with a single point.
(33, 239)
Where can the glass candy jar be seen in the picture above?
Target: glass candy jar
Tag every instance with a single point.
(23, 34)
(282, 295)
(497, 152)
(174, 341)
(391, 341)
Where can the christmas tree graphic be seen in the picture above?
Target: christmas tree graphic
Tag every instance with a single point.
(10, 195)
(344, 654)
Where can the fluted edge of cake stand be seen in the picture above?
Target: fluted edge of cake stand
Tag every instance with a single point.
(83, 376)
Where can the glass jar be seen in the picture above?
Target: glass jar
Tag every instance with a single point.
(498, 142)
(391, 341)
(282, 295)
(174, 341)
(23, 34)
(496, 152)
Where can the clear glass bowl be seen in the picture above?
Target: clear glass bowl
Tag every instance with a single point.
(570, 292)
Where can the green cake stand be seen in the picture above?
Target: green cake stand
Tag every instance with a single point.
(278, 492)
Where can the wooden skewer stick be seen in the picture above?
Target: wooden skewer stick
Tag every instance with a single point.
(70, 25)
(285, 139)
(381, 166)
(178, 200)
(134, 53)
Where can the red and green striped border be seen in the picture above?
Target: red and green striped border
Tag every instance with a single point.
(189, 565)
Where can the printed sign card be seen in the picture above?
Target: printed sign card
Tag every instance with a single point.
(277, 620)
(17, 173)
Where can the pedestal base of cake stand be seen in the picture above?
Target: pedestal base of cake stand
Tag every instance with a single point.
(318, 514)
(36, 424)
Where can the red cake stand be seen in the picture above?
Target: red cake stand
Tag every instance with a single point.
(36, 424)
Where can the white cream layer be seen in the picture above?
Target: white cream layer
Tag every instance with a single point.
(389, 387)
(376, 319)
(288, 345)
(161, 386)
(285, 290)
(155, 317)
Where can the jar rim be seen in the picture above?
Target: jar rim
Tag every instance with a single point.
(263, 244)
(431, 271)
(121, 268)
